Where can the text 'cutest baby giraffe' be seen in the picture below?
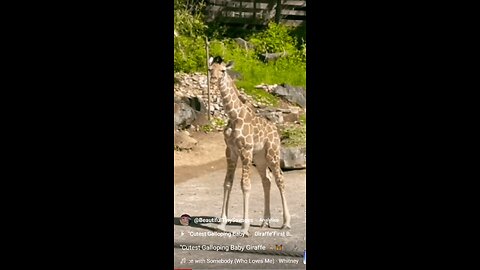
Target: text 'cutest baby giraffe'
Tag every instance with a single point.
(251, 138)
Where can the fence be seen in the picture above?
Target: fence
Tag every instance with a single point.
(256, 12)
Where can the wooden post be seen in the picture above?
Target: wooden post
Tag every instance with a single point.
(241, 9)
(278, 11)
(208, 80)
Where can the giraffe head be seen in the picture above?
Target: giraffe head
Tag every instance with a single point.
(218, 69)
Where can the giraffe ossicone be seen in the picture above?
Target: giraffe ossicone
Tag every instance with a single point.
(252, 139)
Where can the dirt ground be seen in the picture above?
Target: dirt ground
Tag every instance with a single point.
(206, 157)
(198, 178)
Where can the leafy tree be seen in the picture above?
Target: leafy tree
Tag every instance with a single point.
(189, 33)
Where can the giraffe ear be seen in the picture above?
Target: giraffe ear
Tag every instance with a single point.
(210, 61)
(230, 65)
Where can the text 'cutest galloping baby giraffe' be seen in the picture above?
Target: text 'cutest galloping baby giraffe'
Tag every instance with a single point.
(253, 139)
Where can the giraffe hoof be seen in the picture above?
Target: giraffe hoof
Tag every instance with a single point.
(221, 227)
(265, 225)
(286, 226)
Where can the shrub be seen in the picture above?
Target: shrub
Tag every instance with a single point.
(189, 34)
(207, 128)
(276, 38)
(219, 123)
(189, 54)
(188, 19)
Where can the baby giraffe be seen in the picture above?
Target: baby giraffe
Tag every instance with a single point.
(253, 139)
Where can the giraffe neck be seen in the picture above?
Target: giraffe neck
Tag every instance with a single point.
(231, 101)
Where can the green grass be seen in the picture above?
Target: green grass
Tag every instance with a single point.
(213, 125)
(269, 74)
(259, 95)
(303, 119)
(254, 72)
(294, 136)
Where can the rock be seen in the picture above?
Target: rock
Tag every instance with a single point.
(244, 44)
(190, 84)
(183, 141)
(177, 99)
(183, 115)
(293, 157)
(267, 57)
(295, 95)
(234, 74)
(201, 120)
(290, 117)
(275, 117)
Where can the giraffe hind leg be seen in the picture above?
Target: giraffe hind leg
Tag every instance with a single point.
(274, 165)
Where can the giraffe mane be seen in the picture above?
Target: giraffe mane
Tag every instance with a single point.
(219, 60)
(239, 95)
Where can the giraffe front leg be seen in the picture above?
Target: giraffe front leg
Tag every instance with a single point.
(227, 186)
(265, 174)
(266, 191)
(246, 187)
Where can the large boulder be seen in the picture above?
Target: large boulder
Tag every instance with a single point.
(293, 157)
(275, 117)
(291, 117)
(269, 57)
(196, 103)
(293, 94)
(183, 115)
(244, 44)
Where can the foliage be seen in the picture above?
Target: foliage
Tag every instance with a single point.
(219, 123)
(207, 128)
(290, 70)
(294, 135)
(300, 34)
(188, 18)
(189, 34)
(276, 38)
(215, 124)
(189, 50)
(303, 119)
(189, 54)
